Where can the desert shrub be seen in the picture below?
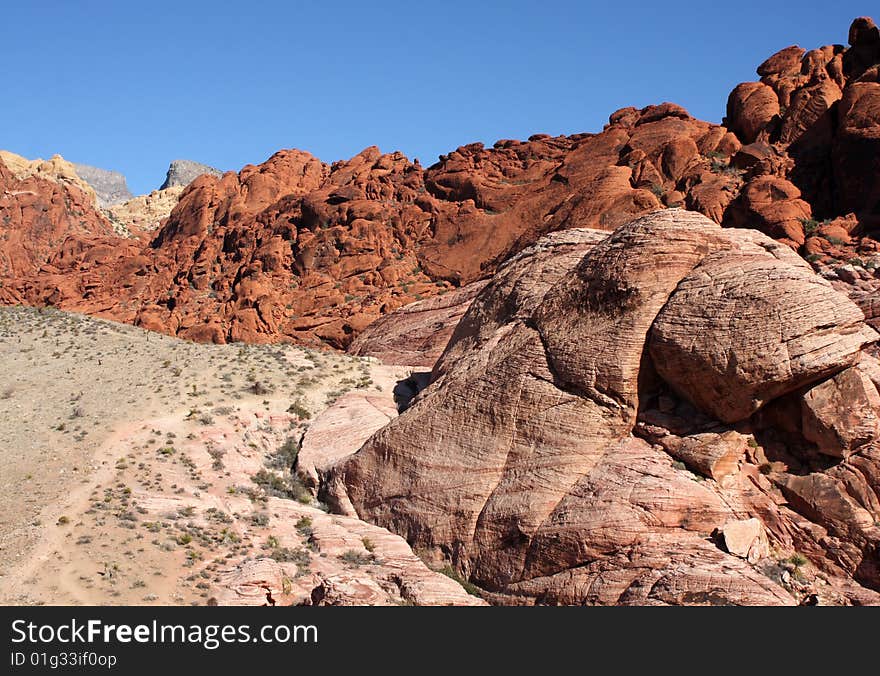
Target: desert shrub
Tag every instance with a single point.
(355, 558)
(300, 557)
(468, 586)
(285, 456)
(260, 519)
(290, 486)
(259, 389)
(217, 515)
(811, 226)
(304, 526)
(300, 411)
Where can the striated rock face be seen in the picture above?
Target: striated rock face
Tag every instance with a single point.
(110, 186)
(416, 334)
(340, 431)
(841, 414)
(183, 172)
(548, 460)
(704, 342)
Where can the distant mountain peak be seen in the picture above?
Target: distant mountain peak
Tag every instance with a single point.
(184, 172)
(110, 186)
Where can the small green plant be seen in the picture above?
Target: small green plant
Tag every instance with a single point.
(798, 560)
(304, 526)
(300, 411)
(811, 226)
(285, 456)
(468, 586)
(355, 558)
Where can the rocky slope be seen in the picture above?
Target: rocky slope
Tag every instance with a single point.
(178, 489)
(295, 249)
(673, 414)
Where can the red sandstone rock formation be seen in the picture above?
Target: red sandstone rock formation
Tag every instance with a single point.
(294, 249)
(42, 220)
(614, 425)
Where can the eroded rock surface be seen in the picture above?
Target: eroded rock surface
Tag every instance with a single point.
(553, 459)
(416, 334)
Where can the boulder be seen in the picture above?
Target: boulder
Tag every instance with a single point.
(841, 414)
(750, 324)
(518, 464)
(746, 539)
(751, 107)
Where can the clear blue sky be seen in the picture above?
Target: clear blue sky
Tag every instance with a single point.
(130, 86)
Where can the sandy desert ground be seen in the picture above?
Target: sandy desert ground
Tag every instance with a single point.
(136, 468)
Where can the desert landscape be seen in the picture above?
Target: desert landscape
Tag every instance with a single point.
(632, 367)
(174, 505)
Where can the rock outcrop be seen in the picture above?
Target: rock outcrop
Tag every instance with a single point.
(45, 216)
(544, 461)
(144, 213)
(183, 172)
(387, 572)
(56, 169)
(340, 431)
(416, 334)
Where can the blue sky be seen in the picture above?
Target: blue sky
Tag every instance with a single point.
(131, 86)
